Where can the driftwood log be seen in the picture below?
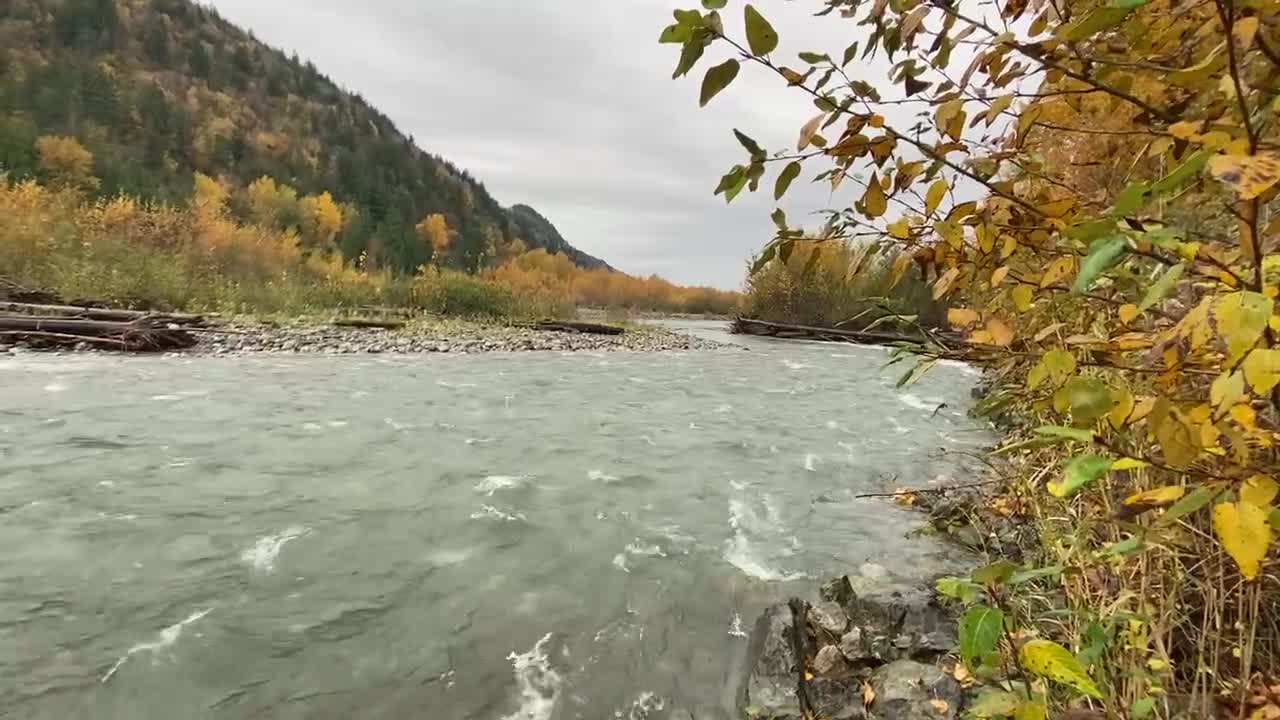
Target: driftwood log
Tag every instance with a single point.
(104, 314)
(747, 326)
(144, 334)
(368, 323)
(571, 326)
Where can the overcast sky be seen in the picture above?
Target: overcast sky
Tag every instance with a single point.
(568, 106)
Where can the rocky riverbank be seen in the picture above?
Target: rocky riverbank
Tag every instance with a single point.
(859, 651)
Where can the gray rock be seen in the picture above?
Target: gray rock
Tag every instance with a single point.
(829, 661)
(907, 690)
(829, 616)
(892, 625)
(773, 680)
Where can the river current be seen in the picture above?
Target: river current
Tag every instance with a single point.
(529, 536)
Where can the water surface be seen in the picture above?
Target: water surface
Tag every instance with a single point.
(525, 536)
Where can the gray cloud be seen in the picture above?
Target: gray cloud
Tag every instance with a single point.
(568, 106)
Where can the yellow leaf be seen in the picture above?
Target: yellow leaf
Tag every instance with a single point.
(933, 198)
(1226, 390)
(1160, 496)
(1001, 334)
(943, 284)
(1244, 533)
(1128, 313)
(1184, 130)
(940, 706)
(1244, 31)
(900, 229)
(868, 694)
(1262, 370)
(999, 275)
(1046, 332)
(1057, 208)
(1031, 710)
(1022, 297)
(1259, 490)
(1057, 270)
(900, 265)
(1141, 410)
(1122, 409)
(1177, 441)
(1049, 659)
(876, 121)
(809, 130)
(1129, 464)
(1245, 415)
(962, 317)
(874, 202)
(1242, 317)
(1249, 175)
(998, 106)
(1009, 247)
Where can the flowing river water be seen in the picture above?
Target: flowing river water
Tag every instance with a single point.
(527, 536)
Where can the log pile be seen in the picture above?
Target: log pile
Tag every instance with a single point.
(570, 326)
(747, 326)
(46, 326)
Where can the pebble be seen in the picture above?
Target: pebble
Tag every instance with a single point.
(460, 338)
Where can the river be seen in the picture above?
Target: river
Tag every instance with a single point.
(528, 536)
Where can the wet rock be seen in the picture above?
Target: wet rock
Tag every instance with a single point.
(908, 690)
(892, 624)
(829, 661)
(771, 687)
(829, 616)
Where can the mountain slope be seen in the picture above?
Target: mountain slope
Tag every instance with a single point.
(158, 90)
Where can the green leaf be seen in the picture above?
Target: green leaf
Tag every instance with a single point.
(962, 589)
(1031, 710)
(714, 4)
(676, 33)
(761, 37)
(849, 54)
(1023, 576)
(689, 57)
(814, 58)
(1184, 172)
(717, 79)
(1128, 547)
(1101, 256)
(1069, 433)
(779, 217)
(1078, 473)
(788, 175)
(1090, 398)
(1128, 4)
(751, 145)
(769, 253)
(1049, 659)
(1133, 197)
(1162, 286)
(1142, 709)
(731, 178)
(995, 703)
(996, 573)
(734, 190)
(1095, 22)
(1274, 519)
(980, 631)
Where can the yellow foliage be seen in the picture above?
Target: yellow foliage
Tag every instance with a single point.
(66, 161)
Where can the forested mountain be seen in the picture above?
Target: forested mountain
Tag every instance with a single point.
(159, 90)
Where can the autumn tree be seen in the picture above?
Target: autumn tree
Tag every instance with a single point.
(1092, 188)
(435, 230)
(271, 204)
(65, 161)
(322, 220)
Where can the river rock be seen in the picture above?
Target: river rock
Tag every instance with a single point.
(908, 690)
(892, 624)
(829, 616)
(771, 687)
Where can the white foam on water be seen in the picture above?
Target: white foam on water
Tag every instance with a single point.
(601, 476)
(337, 423)
(458, 386)
(56, 387)
(811, 462)
(897, 426)
(167, 638)
(312, 427)
(793, 365)
(721, 409)
(494, 483)
(538, 682)
(479, 441)
(395, 425)
(620, 562)
(166, 398)
(739, 551)
(735, 626)
(638, 549)
(642, 707)
(106, 483)
(451, 557)
(963, 367)
(648, 441)
(914, 402)
(263, 554)
(491, 512)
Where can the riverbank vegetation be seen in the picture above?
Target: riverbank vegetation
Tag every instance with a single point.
(199, 256)
(1094, 195)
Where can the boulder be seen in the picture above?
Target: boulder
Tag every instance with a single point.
(908, 690)
(891, 625)
(771, 687)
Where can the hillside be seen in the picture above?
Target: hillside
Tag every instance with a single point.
(159, 90)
